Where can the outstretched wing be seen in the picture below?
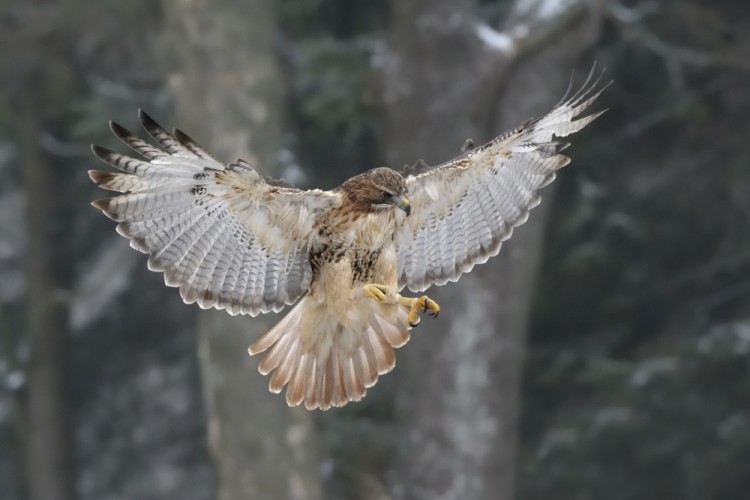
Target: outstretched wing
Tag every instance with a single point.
(463, 210)
(225, 236)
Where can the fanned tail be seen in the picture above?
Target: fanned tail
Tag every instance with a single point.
(326, 365)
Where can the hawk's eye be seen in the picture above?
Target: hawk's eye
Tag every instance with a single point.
(386, 195)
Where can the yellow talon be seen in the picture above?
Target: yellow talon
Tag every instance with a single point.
(420, 305)
(377, 292)
(416, 305)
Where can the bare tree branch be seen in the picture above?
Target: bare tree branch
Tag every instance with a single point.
(630, 22)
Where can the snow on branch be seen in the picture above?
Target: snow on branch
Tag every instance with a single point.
(497, 40)
(531, 23)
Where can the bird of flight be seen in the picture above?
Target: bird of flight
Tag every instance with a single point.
(232, 239)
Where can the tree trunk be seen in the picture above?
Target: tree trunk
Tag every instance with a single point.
(458, 396)
(48, 456)
(229, 92)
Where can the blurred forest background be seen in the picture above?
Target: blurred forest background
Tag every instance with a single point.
(605, 354)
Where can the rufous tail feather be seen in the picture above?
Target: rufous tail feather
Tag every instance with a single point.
(324, 367)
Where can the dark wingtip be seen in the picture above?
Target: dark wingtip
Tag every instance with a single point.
(119, 131)
(143, 116)
(99, 176)
(102, 204)
(182, 137)
(101, 152)
(146, 120)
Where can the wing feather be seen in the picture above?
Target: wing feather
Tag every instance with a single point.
(225, 236)
(199, 255)
(193, 289)
(213, 270)
(463, 210)
(138, 145)
(228, 289)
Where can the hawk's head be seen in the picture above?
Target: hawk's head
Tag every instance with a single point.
(377, 189)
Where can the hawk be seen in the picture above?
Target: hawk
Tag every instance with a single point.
(232, 239)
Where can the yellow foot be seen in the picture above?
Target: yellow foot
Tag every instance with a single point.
(416, 305)
(419, 305)
(377, 292)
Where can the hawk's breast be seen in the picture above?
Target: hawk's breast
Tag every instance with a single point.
(357, 242)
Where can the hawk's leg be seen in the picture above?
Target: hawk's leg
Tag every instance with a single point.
(416, 305)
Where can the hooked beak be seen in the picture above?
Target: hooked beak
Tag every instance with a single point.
(404, 204)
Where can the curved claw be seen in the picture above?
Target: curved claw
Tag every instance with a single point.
(431, 307)
(419, 306)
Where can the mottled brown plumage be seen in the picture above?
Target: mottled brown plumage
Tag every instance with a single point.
(232, 239)
(373, 190)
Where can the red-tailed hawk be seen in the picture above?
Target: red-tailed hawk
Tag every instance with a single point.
(232, 239)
